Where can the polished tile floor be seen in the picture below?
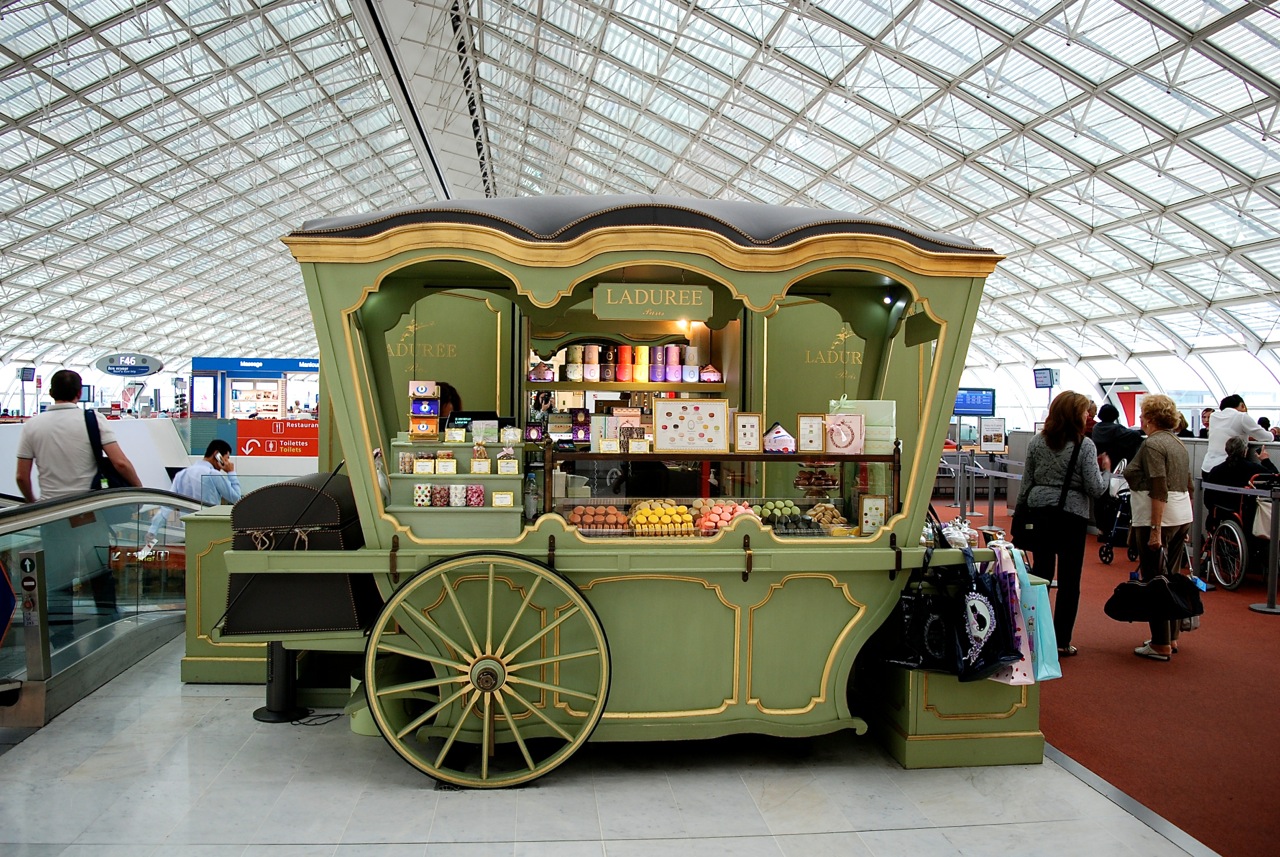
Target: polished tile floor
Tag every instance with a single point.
(148, 766)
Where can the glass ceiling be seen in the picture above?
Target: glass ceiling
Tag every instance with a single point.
(1123, 154)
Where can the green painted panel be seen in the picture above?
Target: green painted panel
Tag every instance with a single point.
(653, 648)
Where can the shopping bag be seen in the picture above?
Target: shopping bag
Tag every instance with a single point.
(921, 632)
(1118, 484)
(1022, 672)
(985, 639)
(1262, 519)
(1039, 615)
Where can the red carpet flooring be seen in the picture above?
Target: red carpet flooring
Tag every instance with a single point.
(1193, 739)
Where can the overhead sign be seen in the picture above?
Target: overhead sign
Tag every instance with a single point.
(277, 437)
(651, 302)
(132, 365)
(254, 366)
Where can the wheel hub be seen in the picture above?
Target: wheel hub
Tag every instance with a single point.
(488, 674)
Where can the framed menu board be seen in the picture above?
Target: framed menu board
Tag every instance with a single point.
(690, 425)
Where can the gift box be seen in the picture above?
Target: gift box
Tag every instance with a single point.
(710, 375)
(424, 390)
(422, 428)
(778, 439)
(422, 495)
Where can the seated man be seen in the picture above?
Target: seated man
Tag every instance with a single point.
(211, 481)
(1236, 472)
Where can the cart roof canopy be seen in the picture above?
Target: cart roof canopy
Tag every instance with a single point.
(555, 219)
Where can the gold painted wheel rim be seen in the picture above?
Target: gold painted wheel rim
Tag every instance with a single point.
(487, 670)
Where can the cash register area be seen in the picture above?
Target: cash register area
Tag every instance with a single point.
(147, 766)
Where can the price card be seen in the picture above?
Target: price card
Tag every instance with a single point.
(424, 465)
(610, 444)
(481, 465)
(447, 465)
(504, 498)
(508, 467)
(641, 446)
(455, 435)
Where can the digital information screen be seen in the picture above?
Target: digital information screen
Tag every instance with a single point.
(1046, 378)
(975, 402)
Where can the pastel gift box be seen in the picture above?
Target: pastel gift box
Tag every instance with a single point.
(422, 495)
(424, 390)
(778, 439)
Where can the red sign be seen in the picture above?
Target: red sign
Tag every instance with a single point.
(277, 437)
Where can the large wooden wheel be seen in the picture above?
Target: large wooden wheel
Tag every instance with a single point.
(487, 670)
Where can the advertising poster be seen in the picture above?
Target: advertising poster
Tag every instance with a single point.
(991, 437)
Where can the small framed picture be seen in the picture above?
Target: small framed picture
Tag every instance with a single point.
(504, 498)
(873, 509)
(746, 432)
(641, 446)
(455, 435)
(811, 435)
(481, 465)
(424, 465)
(446, 466)
(508, 467)
(533, 433)
(610, 444)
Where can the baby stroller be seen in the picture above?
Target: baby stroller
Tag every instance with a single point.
(1117, 535)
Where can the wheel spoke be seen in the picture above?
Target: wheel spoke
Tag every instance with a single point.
(453, 733)
(515, 731)
(547, 720)
(555, 688)
(434, 710)
(486, 734)
(569, 614)
(488, 616)
(389, 649)
(422, 620)
(554, 659)
(462, 617)
(523, 605)
(421, 685)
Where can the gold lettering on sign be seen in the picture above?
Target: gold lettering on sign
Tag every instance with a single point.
(438, 350)
(835, 354)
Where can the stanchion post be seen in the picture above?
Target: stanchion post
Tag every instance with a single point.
(1198, 536)
(991, 486)
(1273, 558)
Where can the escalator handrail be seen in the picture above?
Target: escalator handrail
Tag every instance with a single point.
(17, 518)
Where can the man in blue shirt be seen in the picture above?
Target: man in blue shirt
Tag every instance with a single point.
(211, 481)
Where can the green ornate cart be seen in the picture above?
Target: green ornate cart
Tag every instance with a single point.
(509, 637)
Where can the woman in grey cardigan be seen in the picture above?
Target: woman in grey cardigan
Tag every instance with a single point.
(1048, 457)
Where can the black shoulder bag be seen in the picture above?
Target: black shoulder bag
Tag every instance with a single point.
(1030, 522)
(108, 476)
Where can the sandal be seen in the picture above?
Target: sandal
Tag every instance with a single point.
(1067, 651)
(1145, 651)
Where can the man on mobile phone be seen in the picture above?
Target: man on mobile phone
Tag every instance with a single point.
(211, 480)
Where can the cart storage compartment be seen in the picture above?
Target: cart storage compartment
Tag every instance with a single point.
(314, 512)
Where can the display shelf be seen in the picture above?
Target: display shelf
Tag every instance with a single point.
(460, 475)
(626, 386)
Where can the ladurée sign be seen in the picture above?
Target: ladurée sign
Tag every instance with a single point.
(651, 302)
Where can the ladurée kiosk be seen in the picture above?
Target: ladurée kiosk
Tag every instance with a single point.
(677, 575)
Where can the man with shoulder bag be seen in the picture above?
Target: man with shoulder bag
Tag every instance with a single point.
(57, 444)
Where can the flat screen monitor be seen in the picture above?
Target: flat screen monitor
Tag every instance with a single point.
(1045, 378)
(975, 402)
(463, 419)
(86, 393)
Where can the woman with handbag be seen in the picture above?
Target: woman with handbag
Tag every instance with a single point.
(1062, 471)
(1160, 498)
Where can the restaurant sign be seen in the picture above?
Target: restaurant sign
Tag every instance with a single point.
(651, 302)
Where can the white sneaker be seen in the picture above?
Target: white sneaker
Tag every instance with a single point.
(145, 550)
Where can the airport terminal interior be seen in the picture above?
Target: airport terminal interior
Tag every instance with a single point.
(1093, 185)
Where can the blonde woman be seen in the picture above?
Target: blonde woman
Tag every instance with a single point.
(1160, 499)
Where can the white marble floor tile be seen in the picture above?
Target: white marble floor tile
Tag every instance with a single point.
(148, 767)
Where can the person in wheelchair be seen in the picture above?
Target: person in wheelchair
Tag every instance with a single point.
(1235, 472)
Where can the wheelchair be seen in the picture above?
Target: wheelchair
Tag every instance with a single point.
(1231, 547)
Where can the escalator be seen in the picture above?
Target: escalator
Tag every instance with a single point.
(89, 585)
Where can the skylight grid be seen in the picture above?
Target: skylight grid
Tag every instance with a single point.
(941, 41)
(820, 48)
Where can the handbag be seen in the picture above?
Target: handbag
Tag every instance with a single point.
(1162, 598)
(1030, 522)
(108, 476)
(920, 633)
